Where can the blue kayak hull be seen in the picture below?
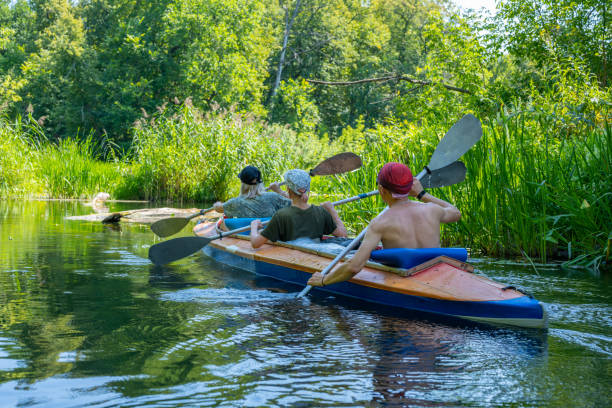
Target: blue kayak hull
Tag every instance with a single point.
(523, 311)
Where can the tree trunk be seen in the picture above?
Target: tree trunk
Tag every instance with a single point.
(281, 61)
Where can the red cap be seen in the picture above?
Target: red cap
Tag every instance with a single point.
(397, 178)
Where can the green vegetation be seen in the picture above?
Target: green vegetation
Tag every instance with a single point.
(30, 165)
(189, 157)
(17, 153)
(545, 196)
(285, 84)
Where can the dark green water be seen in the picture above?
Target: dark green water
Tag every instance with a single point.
(87, 321)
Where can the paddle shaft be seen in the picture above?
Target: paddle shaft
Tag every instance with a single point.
(201, 212)
(174, 249)
(422, 174)
(355, 241)
(335, 204)
(338, 257)
(282, 183)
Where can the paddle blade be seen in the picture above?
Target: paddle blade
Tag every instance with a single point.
(175, 249)
(112, 218)
(459, 139)
(169, 226)
(340, 163)
(446, 176)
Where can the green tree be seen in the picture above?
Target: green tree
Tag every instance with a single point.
(453, 55)
(557, 30)
(16, 29)
(50, 70)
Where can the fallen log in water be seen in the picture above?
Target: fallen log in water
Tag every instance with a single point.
(141, 216)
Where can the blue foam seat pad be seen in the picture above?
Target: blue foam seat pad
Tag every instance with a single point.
(234, 223)
(410, 257)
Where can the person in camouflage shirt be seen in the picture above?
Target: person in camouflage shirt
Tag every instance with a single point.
(254, 201)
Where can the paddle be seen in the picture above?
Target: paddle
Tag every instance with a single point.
(337, 164)
(170, 226)
(340, 163)
(446, 176)
(458, 140)
(174, 249)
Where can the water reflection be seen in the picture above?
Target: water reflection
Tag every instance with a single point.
(281, 350)
(86, 320)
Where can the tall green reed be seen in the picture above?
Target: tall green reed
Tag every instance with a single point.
(18, 155)
(32, 166)
(186, 156)
(538, 194)
(75, 169)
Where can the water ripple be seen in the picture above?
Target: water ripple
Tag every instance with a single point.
(226, 295)
(597, 343)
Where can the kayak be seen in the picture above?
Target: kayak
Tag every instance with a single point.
(441, 285)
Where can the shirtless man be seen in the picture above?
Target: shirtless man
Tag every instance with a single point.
(405, 224)
(300, 220)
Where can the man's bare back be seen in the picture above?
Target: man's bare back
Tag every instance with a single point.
(409, 225)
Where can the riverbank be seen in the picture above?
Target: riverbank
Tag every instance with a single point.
(531, 190)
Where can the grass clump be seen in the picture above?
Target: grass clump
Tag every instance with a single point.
(19, 155)
(33, 166)
(75, 169)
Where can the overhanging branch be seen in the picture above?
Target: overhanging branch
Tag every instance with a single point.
(385, 79)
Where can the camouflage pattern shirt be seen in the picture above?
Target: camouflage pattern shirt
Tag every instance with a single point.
(262, 206)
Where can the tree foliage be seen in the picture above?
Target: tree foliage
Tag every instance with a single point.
(557, 30)
(101, 64)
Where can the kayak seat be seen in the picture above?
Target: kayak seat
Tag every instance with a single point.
(233, 223)
(410, 257)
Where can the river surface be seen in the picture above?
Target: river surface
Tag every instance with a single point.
(87, 321)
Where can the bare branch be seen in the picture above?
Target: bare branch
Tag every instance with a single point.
(385, 79)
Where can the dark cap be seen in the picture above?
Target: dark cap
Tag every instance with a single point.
(250, 175)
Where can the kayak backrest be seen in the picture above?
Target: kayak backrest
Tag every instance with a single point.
(410, 257)
(234, 223)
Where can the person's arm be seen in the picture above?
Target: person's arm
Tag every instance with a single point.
(276, 188)
(257, 239)
(450, 213)
(218, 206)
(349, 269)
(340, 230)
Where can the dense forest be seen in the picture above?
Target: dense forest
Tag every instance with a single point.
(102, 64)
(166, 100)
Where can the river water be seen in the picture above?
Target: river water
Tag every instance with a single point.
(87, 321)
